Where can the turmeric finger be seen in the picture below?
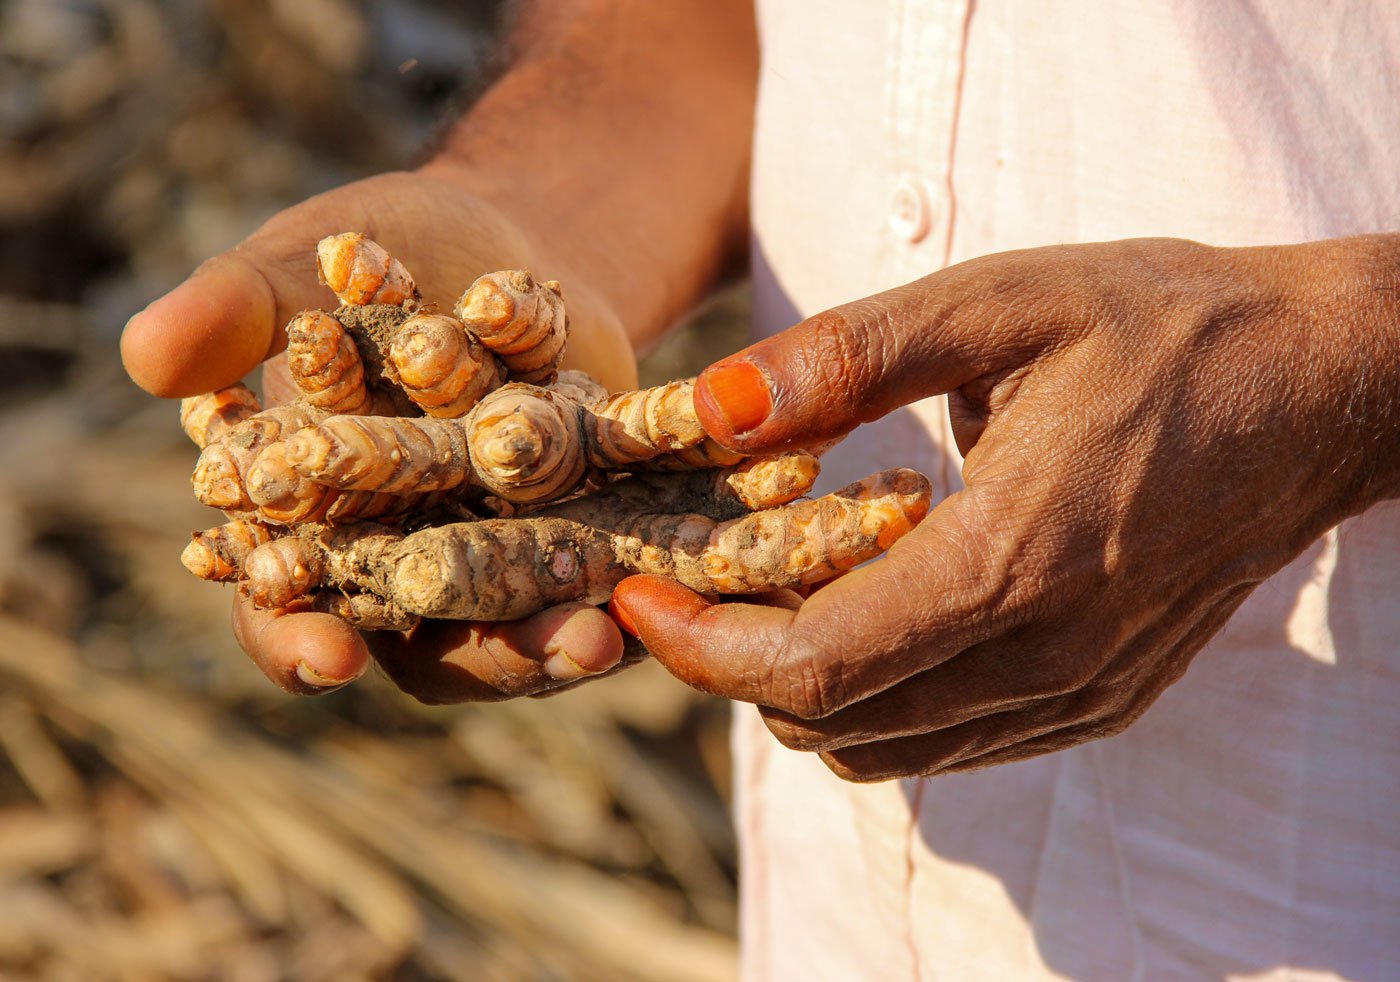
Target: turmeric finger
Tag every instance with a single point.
(382, 453)
(809, 542)
(636, 426)
(218, 554)
(521, 320)
(281, 570)
(721, 494)
(526, 445)
(443, 368)
(705, 454)
(282, 495)
(520, 443)
(581, 387)
(207, 418)
(219, 478)
(360, 271)
(523, 443)
(364, 611)
(325, 364)
(506, 569)
(766, 482)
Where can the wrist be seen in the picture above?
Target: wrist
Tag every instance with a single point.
(617, 143)
(546, 236)
(1383, 287)
(1358, 304)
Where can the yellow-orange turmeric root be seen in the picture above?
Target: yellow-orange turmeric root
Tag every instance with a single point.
(523, 443)
(755, 484)
(317, 489)
(521, 320)
(766, 482)
(443, 368)
(359, 271)
(283, 496)
(206, 418)
(364, 611)
(636, 426)
(219, 553)
(505, 569)
(581, 387)
(280, 570)
(325, 364)
(706, 453)
(292, 567)
(220, 475)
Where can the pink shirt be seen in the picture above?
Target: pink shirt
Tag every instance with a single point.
(1249, 825)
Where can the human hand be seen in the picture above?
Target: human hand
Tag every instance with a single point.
(229, 316)
(1151, 428)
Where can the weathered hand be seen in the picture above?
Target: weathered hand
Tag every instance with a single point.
(229, 316)
(1151, 428)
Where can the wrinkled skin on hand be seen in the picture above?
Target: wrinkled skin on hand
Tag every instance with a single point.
(230, 316)
(1151, 428)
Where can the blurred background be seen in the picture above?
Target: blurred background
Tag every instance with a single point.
(165, 813)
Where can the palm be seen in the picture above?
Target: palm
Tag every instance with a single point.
(446, 237)
(228, 318)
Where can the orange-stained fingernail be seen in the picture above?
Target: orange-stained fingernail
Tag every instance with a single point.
(562, 666)
(311, 677)
(738, 392)
(623, 619)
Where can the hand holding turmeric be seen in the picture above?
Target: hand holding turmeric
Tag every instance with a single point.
(366, 497)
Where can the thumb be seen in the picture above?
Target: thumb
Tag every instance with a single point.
(854, 363)
(231, 313)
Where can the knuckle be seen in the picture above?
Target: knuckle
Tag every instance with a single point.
(1043, 671)
(858, 766)
(806, 681)
(499, 667)
(846, 347)
(1096, 701)
(1121, 712)
(1064, 672)
(799, 735)
(1112, 725)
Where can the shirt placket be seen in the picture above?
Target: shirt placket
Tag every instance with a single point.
(927, 44)
(928, 41)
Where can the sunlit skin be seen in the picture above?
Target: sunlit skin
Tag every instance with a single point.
(652, 112)
(1151, 428)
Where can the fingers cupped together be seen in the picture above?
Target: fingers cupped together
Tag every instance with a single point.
(460, 661)
(965, 708)
(1028, 690)
(440, 662)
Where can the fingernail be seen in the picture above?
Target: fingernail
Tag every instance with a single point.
(560, 666)
(739, 393)
(315, 679)
(623, 619)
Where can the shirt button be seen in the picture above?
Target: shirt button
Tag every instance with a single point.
(910, 215)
